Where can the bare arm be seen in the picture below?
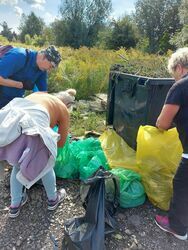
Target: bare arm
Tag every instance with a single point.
(166, 116)
(10, 83)
(63, 125)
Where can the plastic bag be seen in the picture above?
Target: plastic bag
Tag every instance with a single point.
(88, 232)
(80, 159)
(158, 155)
(94, 162)
(117, 151)
(66, 165)
(132, 192)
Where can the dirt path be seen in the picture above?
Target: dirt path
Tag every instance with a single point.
(32, 229)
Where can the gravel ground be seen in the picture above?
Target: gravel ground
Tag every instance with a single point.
(37, 228)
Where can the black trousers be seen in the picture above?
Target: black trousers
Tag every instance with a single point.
(178, 213)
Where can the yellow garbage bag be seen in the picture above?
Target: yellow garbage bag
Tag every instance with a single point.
(117, 151)
(158, 155)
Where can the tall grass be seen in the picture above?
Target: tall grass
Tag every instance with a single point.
(87, 70)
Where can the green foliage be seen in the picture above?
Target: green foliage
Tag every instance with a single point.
(6, 32)
(183, 14)
(143, 44)
(81, 21)
(180, 38)
(48, 36)
(28, 39)
(31, 25)
(84, 69)
(154, 18)
(36, 40)
(39, 40)
(87, 70)
(91, 121)
(58, 28)
(139, 63)
(3, 40)
(164, 43)
(124, 34)
(103, 37)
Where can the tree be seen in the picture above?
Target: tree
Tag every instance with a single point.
(6, 32)
(82, 20)
(96, 14)
(124, 34)
(180, 38)
(103, 37)
(48, 36)
(31, 25)
(183, 12)
(59, 32)
(156, 18)
(68, 33)
(14, 36)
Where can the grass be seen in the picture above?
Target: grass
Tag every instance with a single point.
(82, 122)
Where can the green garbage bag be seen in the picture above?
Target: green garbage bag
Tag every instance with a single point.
(66, 165)
(94, 161)
(80, 159)
(132, 192)
(91, 157)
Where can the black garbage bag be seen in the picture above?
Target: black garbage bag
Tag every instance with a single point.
(88, 232)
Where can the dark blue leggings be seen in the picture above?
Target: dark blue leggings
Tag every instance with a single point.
(178, 213)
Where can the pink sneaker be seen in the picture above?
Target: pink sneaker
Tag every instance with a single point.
(163, 223)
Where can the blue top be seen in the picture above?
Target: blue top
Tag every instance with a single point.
(19, 65)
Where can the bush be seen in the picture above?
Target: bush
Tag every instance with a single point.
(3, 40)
(87, 70)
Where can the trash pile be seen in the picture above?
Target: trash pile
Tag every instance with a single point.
(152, 165)
(148, 171)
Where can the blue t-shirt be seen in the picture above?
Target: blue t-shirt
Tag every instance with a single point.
(19, 65)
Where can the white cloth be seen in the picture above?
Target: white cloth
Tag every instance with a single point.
(185, 156)
(22, 116)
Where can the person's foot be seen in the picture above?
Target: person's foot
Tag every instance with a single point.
(163, 223)
(15, 211)
(61, 194)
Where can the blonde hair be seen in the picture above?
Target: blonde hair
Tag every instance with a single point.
(178, 57)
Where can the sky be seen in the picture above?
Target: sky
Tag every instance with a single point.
(11, 10)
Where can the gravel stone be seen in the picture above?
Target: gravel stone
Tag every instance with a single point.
(136, 228)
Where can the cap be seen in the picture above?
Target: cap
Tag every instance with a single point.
(53, 55)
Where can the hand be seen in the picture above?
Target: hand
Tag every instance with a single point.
(18, 85)
(161, 130)
(10, 83)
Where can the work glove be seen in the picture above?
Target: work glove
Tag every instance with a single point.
(28, 85)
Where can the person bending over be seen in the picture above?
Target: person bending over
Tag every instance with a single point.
(29, 144)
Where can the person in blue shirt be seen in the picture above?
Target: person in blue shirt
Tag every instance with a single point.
(21, 69)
